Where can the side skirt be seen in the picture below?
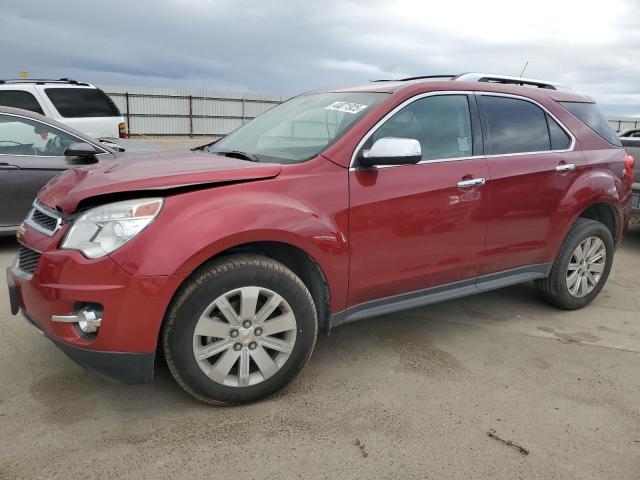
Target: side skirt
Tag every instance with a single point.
(449, 291)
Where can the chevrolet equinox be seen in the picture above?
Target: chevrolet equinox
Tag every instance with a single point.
(332, 207)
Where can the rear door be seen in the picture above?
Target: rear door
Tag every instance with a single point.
(86, 109)
(533, 165)
(31, 153)
(417, 226)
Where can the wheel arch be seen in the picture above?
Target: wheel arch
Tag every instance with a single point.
(299, 261)
(605, 213)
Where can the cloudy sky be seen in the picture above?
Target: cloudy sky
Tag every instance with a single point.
(287, 46)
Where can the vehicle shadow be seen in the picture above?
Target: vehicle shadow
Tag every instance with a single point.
(8, 243)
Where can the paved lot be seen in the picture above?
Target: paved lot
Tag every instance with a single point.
(411, 395)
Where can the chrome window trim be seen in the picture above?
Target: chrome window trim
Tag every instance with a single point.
(378, 124)
(29, 220)
(80, 140)
(42, 156)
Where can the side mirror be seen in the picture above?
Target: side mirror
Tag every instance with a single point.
(84, 151)
(392, 151)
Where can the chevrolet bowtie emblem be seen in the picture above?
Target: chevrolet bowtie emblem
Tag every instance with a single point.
(20, 231)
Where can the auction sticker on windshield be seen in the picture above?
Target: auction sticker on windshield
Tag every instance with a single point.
(346, 107)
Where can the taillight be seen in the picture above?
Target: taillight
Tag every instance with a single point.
(122, 130)
(629, 162)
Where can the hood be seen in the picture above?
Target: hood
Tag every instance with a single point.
(150, 172)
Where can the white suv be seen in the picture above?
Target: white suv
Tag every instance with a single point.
(79, 105)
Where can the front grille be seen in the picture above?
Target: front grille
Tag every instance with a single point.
(27, 259)
(44, 220)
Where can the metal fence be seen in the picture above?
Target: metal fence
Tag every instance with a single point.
(180, 113)
(619, 124)
(190, 113)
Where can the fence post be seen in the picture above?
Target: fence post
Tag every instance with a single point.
(190, 116)
(126, 96)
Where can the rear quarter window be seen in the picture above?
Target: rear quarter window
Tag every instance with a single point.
(590, 115)
(20, 99)
(82, 102)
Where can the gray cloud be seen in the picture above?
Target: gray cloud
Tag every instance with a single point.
(290, 46)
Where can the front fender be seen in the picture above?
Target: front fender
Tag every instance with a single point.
(309, 212)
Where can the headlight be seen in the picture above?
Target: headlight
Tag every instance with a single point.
(104, 229)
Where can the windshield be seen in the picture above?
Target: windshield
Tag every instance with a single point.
(299, 129)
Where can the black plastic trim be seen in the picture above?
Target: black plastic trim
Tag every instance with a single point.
(449, 291)
(121, 367)
(14, 301)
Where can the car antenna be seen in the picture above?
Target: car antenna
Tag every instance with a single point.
(525, 67)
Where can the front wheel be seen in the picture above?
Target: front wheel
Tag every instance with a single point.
(581, 268)
(240, 329)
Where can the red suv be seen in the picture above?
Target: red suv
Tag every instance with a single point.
(332, 207)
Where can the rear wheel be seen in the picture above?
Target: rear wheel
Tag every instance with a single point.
(581, 268)
(239, 330)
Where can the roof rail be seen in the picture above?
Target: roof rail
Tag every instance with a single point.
(491, 78)
(421, 77)
(42, 81)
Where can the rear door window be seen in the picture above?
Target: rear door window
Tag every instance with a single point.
(589, 114)
(82, 102)
(20, 99)
(515, 126)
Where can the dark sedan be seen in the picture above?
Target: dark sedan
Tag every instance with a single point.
(33, 149)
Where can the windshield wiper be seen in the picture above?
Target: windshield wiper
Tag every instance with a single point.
(237, 154)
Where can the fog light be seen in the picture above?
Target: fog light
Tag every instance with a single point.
(88, 320)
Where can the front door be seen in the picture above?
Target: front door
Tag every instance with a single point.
(417, 226)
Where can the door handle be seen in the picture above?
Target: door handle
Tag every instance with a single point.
(473, 182)
(565, 167)
(8, 166)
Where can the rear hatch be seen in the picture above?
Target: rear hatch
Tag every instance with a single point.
(632, 146)
(82, 107)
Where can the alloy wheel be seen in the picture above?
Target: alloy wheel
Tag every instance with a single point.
(244, 336)
(586, 266)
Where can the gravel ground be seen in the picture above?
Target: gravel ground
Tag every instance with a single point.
(497, 385)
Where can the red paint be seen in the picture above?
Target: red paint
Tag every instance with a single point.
(374, 233)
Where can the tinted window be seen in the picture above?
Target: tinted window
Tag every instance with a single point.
(441, 124)
(21, 136)
(591, 116)
(559, 138)
(82, 102)
(515, 126)
(20, 99)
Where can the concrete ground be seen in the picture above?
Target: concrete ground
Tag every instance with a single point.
(437, 392)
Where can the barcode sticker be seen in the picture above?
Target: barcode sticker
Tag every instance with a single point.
(346, 107)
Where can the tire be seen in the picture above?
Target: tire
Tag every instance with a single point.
(555, 288)
(210, 315)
